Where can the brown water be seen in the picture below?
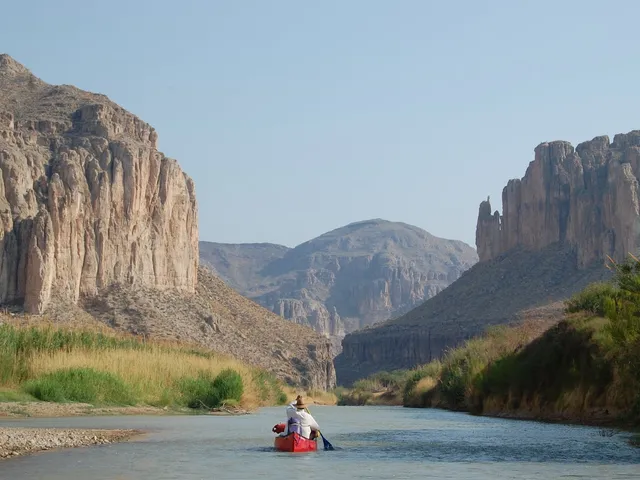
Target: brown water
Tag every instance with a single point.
(371, 442)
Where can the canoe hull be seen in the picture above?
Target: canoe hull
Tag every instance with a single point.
(295, 443)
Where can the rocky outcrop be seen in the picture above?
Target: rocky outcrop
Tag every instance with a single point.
(346, 279)
(86, 199)
(96, 223)
(586, 197)
(571, 210)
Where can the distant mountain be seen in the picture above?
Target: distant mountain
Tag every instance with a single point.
(346, 279)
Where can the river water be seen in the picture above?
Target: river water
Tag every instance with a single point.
(371, 442)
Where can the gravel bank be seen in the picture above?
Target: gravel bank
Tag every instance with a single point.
(21, 441)
(50, 409)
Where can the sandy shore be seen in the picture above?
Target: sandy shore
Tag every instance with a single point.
(16, 441)
(46, 409)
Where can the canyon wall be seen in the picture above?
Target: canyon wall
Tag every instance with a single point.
(97, 224)
(86, 199)
(586, 197)
(572, 209)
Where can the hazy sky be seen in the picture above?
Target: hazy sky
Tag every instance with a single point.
(297, 117)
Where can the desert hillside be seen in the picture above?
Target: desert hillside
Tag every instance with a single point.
(572, 209)
(96, 223)
(345, 279)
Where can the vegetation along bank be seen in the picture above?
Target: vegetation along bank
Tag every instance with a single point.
(102, 369)
(584, 368)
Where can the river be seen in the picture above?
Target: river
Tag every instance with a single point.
(371, 442)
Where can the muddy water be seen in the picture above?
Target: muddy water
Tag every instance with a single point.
(371, 442)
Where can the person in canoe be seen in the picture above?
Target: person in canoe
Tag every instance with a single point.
(299, 420)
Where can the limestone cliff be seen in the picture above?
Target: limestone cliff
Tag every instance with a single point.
(345, 279)
(586, 197)
(96, 223)
(86, 199)
(572, 209)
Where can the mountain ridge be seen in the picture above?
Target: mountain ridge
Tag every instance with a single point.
(343, 279)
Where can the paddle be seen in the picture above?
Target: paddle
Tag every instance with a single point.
(326, 443)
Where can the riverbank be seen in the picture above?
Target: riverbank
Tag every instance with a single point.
(36, 409)
(17, 441)
(581, 368)
(47, 362)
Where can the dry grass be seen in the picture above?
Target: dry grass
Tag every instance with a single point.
(425, 384)
(154, 372)
(321, 397)
(216, 317)
(153, 369)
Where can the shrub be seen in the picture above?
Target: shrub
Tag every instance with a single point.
(84, 385)
(205, 392)
(198, 392)
(430, 370)
(592, 299)
(229, 385)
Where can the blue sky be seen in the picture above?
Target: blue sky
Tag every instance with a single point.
(298, 117)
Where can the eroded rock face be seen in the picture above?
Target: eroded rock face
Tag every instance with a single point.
(86, 199)
(587, 197)
(572, 209)
(346, 279)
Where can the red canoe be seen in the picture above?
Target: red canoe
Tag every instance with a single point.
(295, 443)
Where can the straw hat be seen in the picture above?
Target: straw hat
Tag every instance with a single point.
(299, 403)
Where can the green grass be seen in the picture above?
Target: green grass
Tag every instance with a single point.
(60, 365)
(207, 392)
(269, 387)
(381, 388)
(83, 385)
(15, 396)
(589, 360)
(591, 299)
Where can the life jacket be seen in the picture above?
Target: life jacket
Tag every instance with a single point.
(294, 426)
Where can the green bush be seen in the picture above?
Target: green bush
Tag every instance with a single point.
(205, 392)
(199, 392)
(592, 299)
(229, 385)
(84, 385)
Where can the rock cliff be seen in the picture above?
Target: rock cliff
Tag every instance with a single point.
(86, 199)
(96, 223)
(572, 209)
(586, 197)
(346, 279)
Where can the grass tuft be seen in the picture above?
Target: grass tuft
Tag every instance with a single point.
(84, 385)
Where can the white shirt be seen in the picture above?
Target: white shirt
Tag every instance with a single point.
(306, 420)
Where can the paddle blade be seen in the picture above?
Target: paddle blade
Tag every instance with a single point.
(327, 444)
